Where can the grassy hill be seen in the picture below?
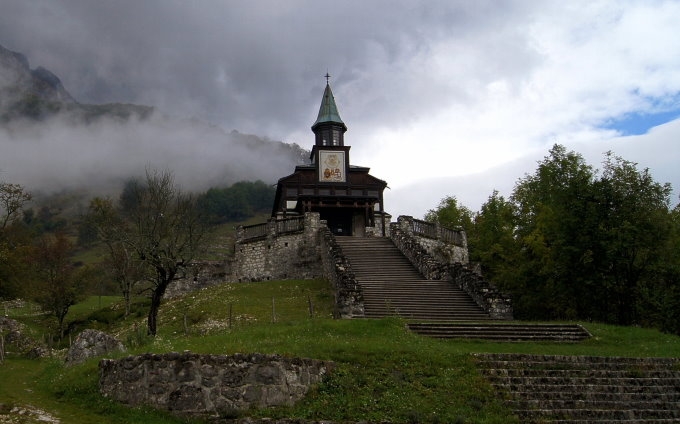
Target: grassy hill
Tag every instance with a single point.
(384, 372)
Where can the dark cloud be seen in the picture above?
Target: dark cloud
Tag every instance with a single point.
(252, 66)
(447, 87)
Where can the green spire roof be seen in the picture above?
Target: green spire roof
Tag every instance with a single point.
(328, 112)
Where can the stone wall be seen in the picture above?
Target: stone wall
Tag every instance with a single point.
(209, 385)
(279, 249)
(498, 305)
(410, 246)
(199, 275)
(447, 246)
(485, 294)
(349, 298)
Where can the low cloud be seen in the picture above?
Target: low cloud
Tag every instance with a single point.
(57, 155)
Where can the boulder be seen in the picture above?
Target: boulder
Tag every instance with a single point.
(16, 339)
(90, 344)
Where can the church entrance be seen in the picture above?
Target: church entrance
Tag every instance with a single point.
(339, 220)
(344, 221)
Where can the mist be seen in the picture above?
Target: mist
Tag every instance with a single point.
(58, 154)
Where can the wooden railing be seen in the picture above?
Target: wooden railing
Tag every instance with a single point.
(254, 231)
(435, 232)
(290, 225)
(274, 227)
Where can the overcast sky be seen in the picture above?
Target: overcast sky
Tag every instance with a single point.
(440, 97)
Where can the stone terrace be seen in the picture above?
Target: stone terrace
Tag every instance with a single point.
(585, 389)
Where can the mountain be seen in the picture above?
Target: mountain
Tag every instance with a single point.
(38, 94)
(50, 142)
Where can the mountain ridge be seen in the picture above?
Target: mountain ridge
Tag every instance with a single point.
(49, 139)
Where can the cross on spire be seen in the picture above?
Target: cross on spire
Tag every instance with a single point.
(327, 77)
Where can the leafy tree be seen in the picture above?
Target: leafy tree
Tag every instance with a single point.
(237, 202)
(491, 239)
(160, 225)
(59, 284)
(450, 214)
(573, 243)
(554, 206)
(634, 228)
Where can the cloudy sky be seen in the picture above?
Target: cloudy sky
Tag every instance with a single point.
(450, 97)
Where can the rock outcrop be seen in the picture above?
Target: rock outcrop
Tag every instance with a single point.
(90, 344)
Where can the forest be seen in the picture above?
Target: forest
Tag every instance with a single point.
(576, 243)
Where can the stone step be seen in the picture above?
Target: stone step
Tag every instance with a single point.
(619, 373)
(391, 285)
(605, 393)
(585, 389)
(638, 405)
(505, 332)
(414, 315)
(505, 361)
(620, 421)
(608, 415)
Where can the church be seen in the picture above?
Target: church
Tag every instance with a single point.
(328, 221)
(346, 196)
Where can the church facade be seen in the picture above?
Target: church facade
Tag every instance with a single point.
(346, 196)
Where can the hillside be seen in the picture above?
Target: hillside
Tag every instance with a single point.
(384, 373)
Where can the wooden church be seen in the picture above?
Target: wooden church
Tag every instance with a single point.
(346, 196)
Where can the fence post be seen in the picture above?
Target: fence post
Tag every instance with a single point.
(273, 310)
(230, 316)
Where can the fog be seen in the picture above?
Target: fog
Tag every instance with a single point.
(59, 155)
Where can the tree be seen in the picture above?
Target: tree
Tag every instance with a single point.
(13, 197)
(554, 213)
(160, 225)
(450, 214)
(239, 201)
(633, 231)
(123, 265)
(491, 239)
(59, 285)
(14, 240)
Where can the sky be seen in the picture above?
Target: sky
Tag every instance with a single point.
(440, 97)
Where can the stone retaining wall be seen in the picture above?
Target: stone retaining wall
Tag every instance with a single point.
(276, 255)
(209, 385)
(349, 298)
(485, 294)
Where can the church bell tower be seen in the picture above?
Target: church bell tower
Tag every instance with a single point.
(346, 196)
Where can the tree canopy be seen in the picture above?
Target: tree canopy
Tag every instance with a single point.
(573, 242)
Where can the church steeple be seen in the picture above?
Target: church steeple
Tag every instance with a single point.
(329, 128)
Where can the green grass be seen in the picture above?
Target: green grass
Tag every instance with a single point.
(383, 372)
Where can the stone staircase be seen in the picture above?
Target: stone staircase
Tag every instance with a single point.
(585, 389)
(393, 286)
(502, 331)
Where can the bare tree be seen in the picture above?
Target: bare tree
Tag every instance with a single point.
(160, 225)
(123, 265)
(12, 199)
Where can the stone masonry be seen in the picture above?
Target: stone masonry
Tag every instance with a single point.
(279, 249)
(209, 385)
(498, 305)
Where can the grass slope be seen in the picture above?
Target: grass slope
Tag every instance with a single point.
(384, 372)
